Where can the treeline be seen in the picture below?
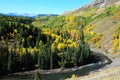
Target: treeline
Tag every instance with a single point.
(61, 22)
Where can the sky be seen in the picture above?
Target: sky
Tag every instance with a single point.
(40, 6)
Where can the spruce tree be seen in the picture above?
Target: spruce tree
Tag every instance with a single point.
(9, 66)
(50, 52)
(63, 59)
(39, 61)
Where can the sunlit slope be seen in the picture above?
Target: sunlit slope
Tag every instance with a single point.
(85, 12)
(108, 26)
(104, 30)
(90, 7)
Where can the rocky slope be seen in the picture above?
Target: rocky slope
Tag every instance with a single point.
(100, 3)
(95, 3)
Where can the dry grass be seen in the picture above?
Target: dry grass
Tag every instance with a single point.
(108, 74)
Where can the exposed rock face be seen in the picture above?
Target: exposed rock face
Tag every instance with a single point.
(96, 3)
(100, 3)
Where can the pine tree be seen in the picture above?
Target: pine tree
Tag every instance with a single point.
(39, 61)
(63, 59)
(50, 52)
(51, 60)
(26, 60)
(35, 56)
(9, 66)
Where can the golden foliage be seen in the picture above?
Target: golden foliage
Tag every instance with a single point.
(15, 31)
(61, 46)
(116, 39)
(72, 77)
(30, 36)
(53, 46)
(23, 51)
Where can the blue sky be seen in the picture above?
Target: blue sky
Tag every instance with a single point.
(40, 6)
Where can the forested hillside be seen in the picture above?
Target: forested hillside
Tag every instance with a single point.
(47, 42)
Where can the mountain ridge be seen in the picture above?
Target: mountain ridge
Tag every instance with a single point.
(95, 3)
(33, 15)
(100, 3)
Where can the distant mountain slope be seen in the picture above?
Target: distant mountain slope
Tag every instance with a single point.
(27, 14)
